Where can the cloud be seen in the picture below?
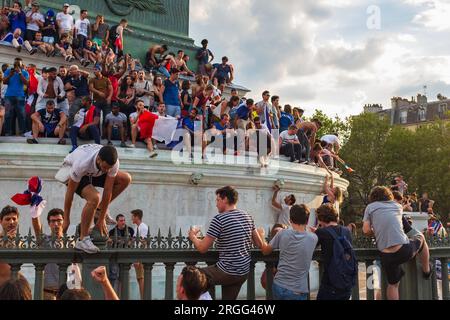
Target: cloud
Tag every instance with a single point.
(343, 55)
(321, 54)
(434, 15)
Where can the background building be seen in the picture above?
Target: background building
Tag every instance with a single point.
(413, 113)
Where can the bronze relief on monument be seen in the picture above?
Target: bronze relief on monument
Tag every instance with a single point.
(144, 5)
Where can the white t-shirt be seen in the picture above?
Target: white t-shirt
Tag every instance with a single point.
(284, 215)
(143, 230)
(66, 21)
(331, 139)
(144, 85)
(205, 297)
(78, 120)
(285, 136)
(133, 116)
(82, 162)
(82, 27)
(35, 16)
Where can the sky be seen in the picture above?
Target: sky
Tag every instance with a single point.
(333, 55)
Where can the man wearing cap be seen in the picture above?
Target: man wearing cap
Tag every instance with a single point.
(65, 22)
(35, 21)
(49, 29)
(171, 94)
(102, 90)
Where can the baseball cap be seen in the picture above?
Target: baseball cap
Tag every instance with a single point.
(97, 67)
(66, 5)
(35, 4)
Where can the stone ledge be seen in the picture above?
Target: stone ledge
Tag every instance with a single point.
(20, 161)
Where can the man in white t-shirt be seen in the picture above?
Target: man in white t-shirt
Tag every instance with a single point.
(65, 22)
(333, 142)
(35, 21)
(283, 207)
(140, 230)
(82, 29)
(290, 144)
(92, 166)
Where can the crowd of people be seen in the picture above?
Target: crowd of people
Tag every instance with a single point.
(410, 202)
(123, 101)
(125, 97)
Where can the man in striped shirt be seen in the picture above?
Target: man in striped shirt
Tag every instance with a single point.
(234, 231)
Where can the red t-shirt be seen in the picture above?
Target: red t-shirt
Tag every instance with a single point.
(115, 85)
(146, 122)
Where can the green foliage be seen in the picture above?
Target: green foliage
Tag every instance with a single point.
(377, 152)
(332, 125)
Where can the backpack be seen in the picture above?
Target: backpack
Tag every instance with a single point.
(343, 263)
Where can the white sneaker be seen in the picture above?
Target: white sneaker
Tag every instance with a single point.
(153, 154)
(86, 245)
(132, 146)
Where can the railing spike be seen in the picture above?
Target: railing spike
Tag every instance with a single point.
(138, 237)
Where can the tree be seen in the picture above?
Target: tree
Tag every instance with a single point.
(332, 125)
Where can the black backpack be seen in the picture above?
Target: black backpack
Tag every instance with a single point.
(343, 266)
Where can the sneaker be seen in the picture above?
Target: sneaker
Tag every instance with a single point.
(110, 143)
(33, 51)
(85, 63)
(71, 58)
(132, 146)
(153, 154)
(73, 149)
(303, 162)
(62, 141)
(311, 163)
(48, 54)
(32, 141)
(67, 58)
(123, 145)
(86, 245)
(19, 48)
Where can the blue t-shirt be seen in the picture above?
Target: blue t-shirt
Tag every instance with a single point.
(222, 71)
(243, 112)
(188, 122)
(220, 127)
(171, 93)
(286, 120)
(9, 38)
(15, 85)
(81, 86)
(205, 58)
(18, 20)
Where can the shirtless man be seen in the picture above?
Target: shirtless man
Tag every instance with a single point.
(307, 135)
(181, 63)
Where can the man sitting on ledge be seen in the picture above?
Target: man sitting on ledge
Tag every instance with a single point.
(49, 121)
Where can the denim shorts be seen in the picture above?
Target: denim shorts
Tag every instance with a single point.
(280, 293)
(173, 111)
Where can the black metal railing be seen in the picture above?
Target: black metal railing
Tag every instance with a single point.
(172, 250)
